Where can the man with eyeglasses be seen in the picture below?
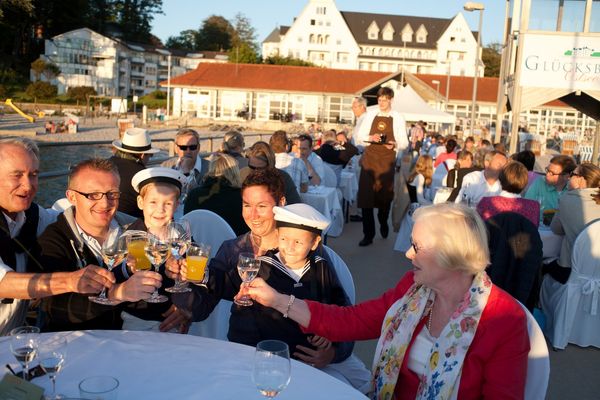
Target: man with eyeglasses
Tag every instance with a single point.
(547, 191)
(21, 222)
(188, 161)
(74, 242)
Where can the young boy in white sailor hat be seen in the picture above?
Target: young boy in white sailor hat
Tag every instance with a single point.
(159, 189)
(296, 269)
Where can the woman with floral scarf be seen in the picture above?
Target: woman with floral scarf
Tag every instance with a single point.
(445, 331)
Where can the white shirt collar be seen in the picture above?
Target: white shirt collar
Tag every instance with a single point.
(91, 241)
(509, 195)
(14, 226)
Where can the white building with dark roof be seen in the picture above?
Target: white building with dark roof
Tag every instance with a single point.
(331, 38)
(114, 67)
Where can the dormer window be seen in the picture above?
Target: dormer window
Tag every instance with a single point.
(388, 32)
(422, 34)
(373, 31)
(407, 33)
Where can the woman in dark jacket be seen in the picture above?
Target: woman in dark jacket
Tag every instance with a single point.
(220, 192)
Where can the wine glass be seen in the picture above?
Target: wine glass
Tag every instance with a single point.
(196, 260)
(24, 345)
(52, 355)
(248, 267)
(114, 251)
(157, 251)
(179, 235)
(272, 370)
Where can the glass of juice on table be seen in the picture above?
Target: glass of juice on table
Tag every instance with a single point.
(136, 242)
(196, 258)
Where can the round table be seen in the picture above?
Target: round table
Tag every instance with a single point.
(152, 365)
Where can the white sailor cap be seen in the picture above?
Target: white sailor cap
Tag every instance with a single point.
(300, 216)
(157, 174)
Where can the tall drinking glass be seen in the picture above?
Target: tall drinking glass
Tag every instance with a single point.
(136, 243)
(197, 258)
(157, 251)
(272, 370)
(53, 353)
(114, 251)
(248, 267)
(179, 236)
(24, 346)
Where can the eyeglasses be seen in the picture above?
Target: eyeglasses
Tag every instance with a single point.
(572, 174)
(415, 247)
(99, 195)
(552, 173)
(191, 147)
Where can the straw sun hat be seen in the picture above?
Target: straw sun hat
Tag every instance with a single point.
(135, 140)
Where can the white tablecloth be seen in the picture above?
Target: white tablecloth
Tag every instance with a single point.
(349, 185)
(172, 366)
(327, 202)
(551, 243)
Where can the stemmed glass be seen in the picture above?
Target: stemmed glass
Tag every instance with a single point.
(179, 236)
(24, 345)
(247, 267)
(114, 251)
(197, 258)
(53, 352)
(157, 251)
(272, 370)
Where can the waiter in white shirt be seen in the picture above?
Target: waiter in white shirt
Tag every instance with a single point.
(383, 133)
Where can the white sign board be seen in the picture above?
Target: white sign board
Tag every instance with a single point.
(118, 106)
(561, 61)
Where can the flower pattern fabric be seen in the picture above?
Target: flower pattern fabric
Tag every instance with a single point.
(447, 354)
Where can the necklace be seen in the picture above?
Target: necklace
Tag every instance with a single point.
(430, 317)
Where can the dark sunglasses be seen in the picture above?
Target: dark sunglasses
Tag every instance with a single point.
(190, 147)
(252, 167)
(99, 195)
(574, 174)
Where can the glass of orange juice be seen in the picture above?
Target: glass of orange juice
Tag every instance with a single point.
(196, 258)
(136, 241)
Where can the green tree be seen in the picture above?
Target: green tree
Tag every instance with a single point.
(38, 67)
(135, 17)
(216, 34)
(278, 60)
(81, 93)
(41, 90)
(186, 40)
(244, 32)
(244, 54)
(491, 57)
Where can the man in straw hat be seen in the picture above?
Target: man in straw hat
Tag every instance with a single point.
(132, 153)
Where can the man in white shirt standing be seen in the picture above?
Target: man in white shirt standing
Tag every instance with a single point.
(188, 162)
(484, 183)
(359, 109)
(314, 163)
(21, 222)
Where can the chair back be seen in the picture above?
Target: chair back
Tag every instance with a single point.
(585, 259)
(538, 361)
(343, 273)
(329, 180)
(209, 228)
(440, 173)
(515, 256)
(61, 205)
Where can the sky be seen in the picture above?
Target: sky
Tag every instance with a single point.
(265, 15)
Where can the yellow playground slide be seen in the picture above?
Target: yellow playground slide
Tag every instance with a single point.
(19, 111)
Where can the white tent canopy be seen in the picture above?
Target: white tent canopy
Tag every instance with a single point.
(413, 108)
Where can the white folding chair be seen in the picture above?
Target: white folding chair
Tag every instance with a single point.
(352, 370)
(329, 180)
(572, 310)
(209, 228)
(61, 205)
(538, 361)
(440, 174)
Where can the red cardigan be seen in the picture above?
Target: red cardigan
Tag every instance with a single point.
(490, 206)
(495, 366)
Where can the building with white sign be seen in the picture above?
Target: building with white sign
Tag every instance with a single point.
(114, 67)
(331, 38)
(552, 52)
